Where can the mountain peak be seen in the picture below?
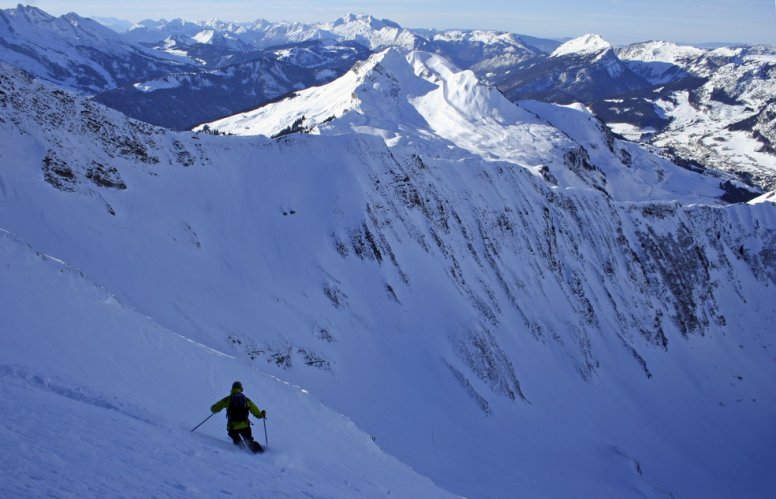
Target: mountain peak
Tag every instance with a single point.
(371, 32)
(659, 51)
(366, 19)
(374, 84)
(589, 44)
(32, 14)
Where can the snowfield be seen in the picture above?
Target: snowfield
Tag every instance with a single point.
(100, 401)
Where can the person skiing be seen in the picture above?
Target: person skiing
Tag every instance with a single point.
(238, 425)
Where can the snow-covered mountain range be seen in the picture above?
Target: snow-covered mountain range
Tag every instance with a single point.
(702, 108)
(364, 29)
(77, 53)
(720, 115)
(423, 99)
(433, 291)
(580, 70)
(183, 100)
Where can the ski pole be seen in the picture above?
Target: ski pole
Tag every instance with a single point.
(200, 424)
(266, 440)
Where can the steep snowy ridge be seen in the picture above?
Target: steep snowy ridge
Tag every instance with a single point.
(768, 196)
(440, 299)
(418, 97)
(703, 108)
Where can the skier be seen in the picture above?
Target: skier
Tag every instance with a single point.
(238, 425)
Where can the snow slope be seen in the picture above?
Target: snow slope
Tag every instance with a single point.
(572, 344)
(768, 196)
(590, 44)
(99, 400)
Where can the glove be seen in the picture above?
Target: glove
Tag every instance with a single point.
(262, 414)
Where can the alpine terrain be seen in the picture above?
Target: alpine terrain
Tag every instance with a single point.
(435, 286)
(703, 108)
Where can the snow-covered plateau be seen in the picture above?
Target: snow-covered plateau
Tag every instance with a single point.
(431, 290)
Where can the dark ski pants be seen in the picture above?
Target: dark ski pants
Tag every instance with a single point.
(244, 438)
(239, 435)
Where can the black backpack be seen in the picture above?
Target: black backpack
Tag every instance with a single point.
(238, 408)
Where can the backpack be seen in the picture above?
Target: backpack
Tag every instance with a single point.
(238, 408)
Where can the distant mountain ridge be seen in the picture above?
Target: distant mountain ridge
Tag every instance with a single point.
(364, 29)
(392, 95)
(183, 100)
(580, 70)
(692, 103)
(76, 52)
(702, 108)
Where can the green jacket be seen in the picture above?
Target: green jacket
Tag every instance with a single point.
(237, 425)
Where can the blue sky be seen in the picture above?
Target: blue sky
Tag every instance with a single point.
(619, 21)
